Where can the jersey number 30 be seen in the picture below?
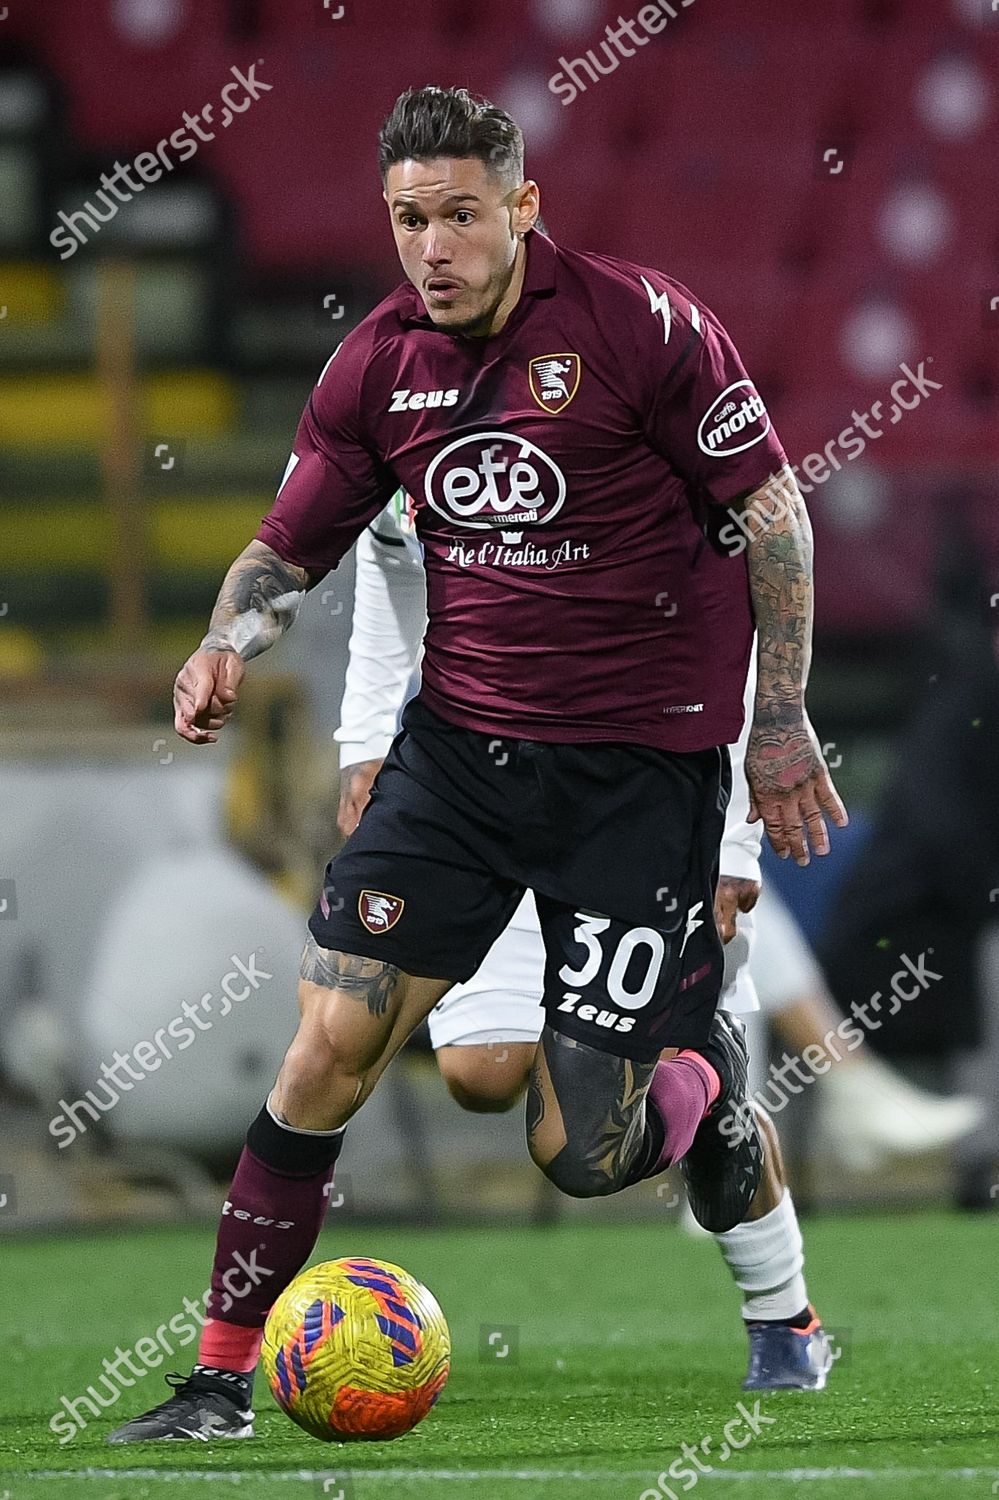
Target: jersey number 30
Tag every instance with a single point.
(587, 933)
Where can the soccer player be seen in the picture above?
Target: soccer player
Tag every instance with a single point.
(574, 429)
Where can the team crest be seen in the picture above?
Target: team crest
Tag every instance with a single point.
(554, 380)
(379, 912)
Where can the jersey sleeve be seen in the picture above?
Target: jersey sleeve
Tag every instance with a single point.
(705, 415)
(334, 483)
(741, 843)
(390, 618)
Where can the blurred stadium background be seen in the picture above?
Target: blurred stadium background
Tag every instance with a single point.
(826, 182)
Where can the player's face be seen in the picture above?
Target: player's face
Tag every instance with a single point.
(458, 228)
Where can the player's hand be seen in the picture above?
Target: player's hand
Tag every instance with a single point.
(790, 789)
(355, 789)
(204, 694)
(732, 896)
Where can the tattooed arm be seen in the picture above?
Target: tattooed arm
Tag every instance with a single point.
(258, 601)
(788, 780)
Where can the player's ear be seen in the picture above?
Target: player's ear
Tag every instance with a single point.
(526, 207)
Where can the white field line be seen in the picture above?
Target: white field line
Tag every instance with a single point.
(434, 1476)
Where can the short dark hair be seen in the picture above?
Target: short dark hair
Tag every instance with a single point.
(430, 122)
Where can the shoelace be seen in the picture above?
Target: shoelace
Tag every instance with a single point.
(183, 1384)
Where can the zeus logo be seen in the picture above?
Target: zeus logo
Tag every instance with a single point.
(693, 922)
(609, 1019)
(494, 479)
(659, 303)
(406, 400)
(242, 1213)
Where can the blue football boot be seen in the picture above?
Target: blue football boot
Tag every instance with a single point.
(782, 1358)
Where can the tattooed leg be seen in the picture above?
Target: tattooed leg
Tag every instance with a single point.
(364, 979)
(587, 1126)
(356, 1013)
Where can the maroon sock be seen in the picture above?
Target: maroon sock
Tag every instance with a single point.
(681, 1092)
(271, 1218)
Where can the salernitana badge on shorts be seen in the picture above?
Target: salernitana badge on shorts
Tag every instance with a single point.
(554, 380)
(379, 912)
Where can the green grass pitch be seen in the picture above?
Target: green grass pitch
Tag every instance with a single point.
(622, 1343)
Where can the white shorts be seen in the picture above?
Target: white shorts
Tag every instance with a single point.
(738, 990)
(502, 1000)
(782, 965)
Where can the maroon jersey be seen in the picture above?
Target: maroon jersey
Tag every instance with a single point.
(563, 473)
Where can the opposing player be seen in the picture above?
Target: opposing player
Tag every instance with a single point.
(574, 428)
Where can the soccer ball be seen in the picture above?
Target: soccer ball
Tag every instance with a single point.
(356, 1349)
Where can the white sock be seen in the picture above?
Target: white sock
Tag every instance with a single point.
(766, 1258)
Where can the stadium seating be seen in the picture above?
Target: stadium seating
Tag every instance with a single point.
(823, 184)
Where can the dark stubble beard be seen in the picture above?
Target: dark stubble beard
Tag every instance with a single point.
(478, 327)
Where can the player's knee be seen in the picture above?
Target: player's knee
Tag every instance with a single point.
(329, 1038)
(319, 1078)
(481, 1097)
(573, 1174)
(480, 1080)
(310, 1063)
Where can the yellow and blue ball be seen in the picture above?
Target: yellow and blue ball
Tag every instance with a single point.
(356, 1348)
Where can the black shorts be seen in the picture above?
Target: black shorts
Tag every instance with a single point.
(618, 842)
